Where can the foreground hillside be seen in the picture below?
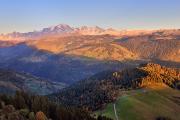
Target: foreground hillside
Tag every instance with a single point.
(11, 81)
(106, 87)
(151, 103)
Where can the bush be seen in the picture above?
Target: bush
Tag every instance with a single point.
(8, 109)
(103, 118)
(32, 116)
(15, 116)
(24, 112)
(41, 116)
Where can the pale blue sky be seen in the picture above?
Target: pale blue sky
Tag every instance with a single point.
(29, 15)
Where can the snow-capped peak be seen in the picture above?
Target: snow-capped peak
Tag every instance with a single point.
(85, 30)
(58, 29)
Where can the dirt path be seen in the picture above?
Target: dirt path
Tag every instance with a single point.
(115, 112)
(114, 105)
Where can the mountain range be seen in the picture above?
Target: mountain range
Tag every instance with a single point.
(64, 30)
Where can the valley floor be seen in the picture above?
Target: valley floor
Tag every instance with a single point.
(145, 104)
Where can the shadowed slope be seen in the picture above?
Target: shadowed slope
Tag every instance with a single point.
(11, 81)
(56, 67)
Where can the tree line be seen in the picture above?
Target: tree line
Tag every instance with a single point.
(23, 106)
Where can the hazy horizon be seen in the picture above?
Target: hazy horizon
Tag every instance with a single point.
(26, 16)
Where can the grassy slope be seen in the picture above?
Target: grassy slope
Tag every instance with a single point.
(146, 104)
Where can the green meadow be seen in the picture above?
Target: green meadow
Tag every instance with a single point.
(146, 104)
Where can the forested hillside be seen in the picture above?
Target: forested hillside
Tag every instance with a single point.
(97, 91)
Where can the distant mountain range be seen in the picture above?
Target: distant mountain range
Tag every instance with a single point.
(66, 30)
(63, 30)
